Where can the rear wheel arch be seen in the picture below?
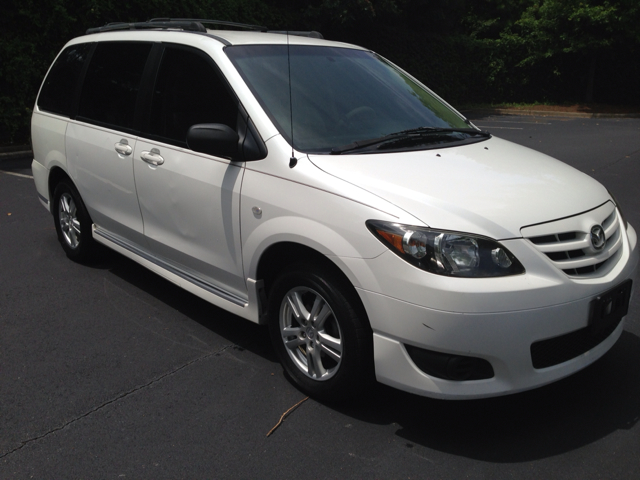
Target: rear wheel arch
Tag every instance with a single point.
(71, 219)
(56, 175)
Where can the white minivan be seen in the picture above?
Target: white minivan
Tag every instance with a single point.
(316, 187)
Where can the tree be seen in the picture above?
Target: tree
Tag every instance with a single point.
(559, 34)
(35, 31)
(585, 29)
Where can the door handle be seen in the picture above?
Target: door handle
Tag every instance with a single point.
(123, 148)
(153, 157)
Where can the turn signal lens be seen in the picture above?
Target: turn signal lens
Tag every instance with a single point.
(394, 239)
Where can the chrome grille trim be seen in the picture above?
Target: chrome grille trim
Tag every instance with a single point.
(567, 242)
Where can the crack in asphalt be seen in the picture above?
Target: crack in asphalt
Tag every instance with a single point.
(116, 399)
(609, 165)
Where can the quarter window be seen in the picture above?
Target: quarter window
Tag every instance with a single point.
(112, 82)
(59, 89)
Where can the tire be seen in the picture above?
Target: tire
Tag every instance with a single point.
(321, 334)
(73, 223)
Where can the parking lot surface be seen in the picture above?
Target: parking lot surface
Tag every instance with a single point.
(109, 371)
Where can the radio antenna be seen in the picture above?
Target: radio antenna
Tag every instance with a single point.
(293, 161)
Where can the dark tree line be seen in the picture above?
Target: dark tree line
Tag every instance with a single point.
(468, 51)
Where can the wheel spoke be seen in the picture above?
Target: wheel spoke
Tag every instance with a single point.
(73, 238)
(297, 308)
(310, 366)
(318, 303)
(330, 353)
(319, 320)
(289, 342)
(293, 343)
(64, 202)
(314, 363)
(291, 332)
(328, 341)
(75, 224)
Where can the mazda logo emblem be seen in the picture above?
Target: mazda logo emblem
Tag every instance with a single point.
(597, 237)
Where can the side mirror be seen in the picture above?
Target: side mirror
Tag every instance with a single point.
(213, 139)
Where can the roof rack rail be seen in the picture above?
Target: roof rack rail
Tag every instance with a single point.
(110, 27)
(203, 21)
(189, 24)
(311, 34)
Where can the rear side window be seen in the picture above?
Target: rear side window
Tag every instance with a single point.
(112, 82)
(188, 91)
(59, 88)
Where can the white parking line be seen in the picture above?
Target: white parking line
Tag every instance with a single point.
(510, 121)
(503, 128)
(16, 174)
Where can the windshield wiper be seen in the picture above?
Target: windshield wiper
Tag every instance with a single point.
(471, 131)
(417, 133)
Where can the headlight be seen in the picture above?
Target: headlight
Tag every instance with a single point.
(447, 253)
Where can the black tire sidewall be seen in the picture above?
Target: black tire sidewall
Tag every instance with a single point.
(84, 250)
(356, 367)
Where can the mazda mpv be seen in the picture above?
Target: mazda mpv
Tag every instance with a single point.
(316, 187)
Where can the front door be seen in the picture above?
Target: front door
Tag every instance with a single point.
(190, 202)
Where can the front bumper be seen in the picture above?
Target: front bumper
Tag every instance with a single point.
(503, 339)
(485, 323)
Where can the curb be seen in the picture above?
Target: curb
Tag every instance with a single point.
(544, 113)
(15, 152)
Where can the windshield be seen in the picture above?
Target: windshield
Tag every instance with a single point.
(340, 96)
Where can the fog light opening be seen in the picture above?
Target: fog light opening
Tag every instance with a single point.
(457, 368)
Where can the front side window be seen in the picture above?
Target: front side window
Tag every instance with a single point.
(339, 96)
(59, 88)
(112, 82)
(188, 91)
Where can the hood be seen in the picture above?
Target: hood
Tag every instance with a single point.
(491, 188)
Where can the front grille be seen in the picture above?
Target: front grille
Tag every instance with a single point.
(553, 351)
(567, 242)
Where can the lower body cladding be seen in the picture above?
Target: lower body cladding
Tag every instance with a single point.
(463, 355)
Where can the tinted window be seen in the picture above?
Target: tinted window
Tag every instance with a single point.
(112, 81)
(188, 91)
(59, 88)
(337, 95)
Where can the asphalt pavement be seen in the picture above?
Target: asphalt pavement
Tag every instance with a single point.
(109, 371)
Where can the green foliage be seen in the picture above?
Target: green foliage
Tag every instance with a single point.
(35, 31)
(556, 27)
(552, 48)
(350, 12)
(469, 51)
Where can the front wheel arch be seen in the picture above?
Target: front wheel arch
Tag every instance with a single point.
(336, 363)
